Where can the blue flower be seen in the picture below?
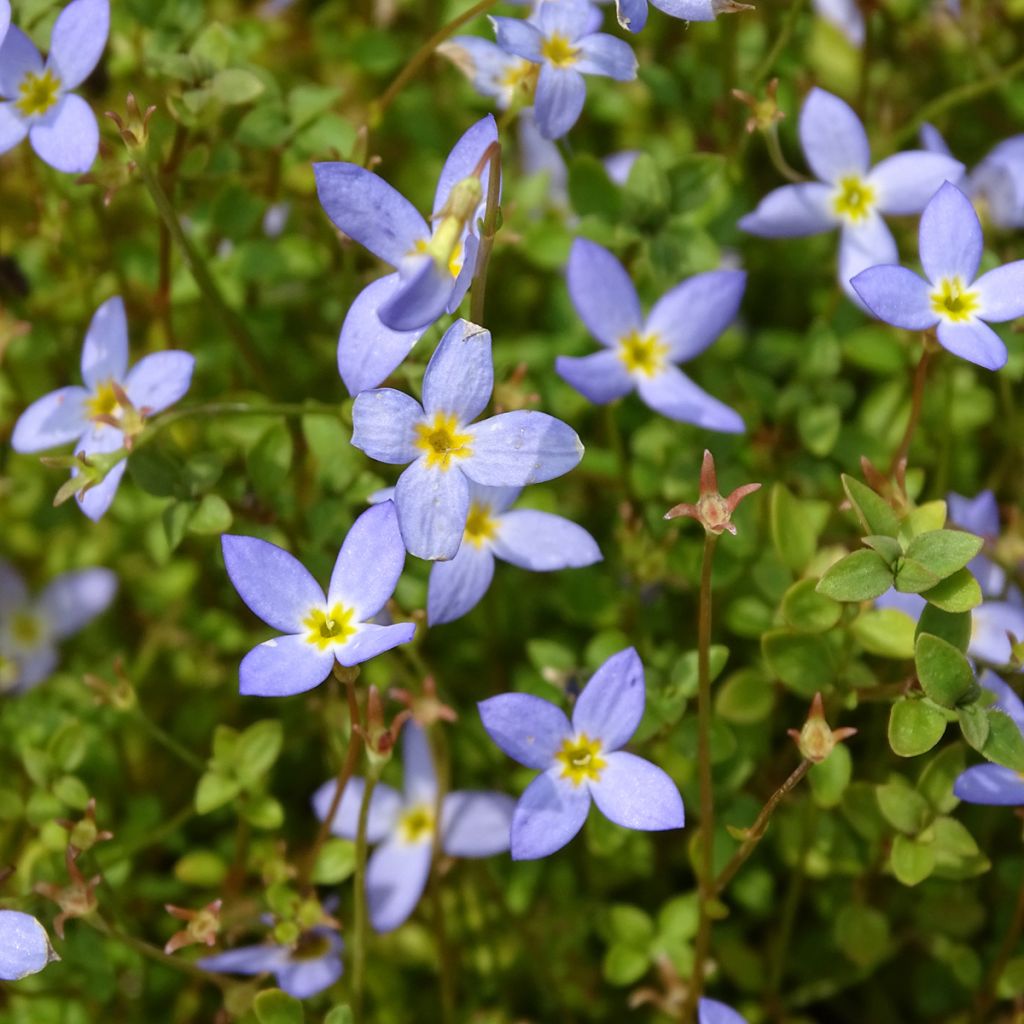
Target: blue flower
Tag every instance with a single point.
(846, 15)
(562, 39)
(980, 515)
(494, 73)
(31, 628)
(59, 124)
(632, 14)
(318, 629)
(24, 946)
(711, 1011)
(303, 970)
(448, 450)
(582, 761)
(114, 401)
(435, 267)
(5, 19)
(640, 353)
(473, 824)
(849, 193)
(993, 783)
(951, 300)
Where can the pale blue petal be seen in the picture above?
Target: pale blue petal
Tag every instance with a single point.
(898, 296)
(910, 604)
(866, 245)
(12, 127)
(906, 181)
(974, 341)
(283, 666)
(67, 137)
(792, 211)
(497, 499)
(548, 815)
(990, 784)
(601, 377)
(73, 599)
(932, 140)
(949, 239)
(246, 960)
(384, 494)
(303, 979)
(569, 18)
(369, 563)
(460, 375)
(602, 292)
(710, 1011)
(24, 946)
(456, 586)
(558, 101)
(618, 165)
(79, 36)
(602, 54)
(420, 298)
(518, 448)
(485, 63)
(631, 14)
(1006, 697)
(1001, 292)
(693, 314)
(833, 138)
(999, 181)
(634, 793)
(13, 592)
(18, 56)
(105, 350)
(612, 703)
(464, 158)
(372, 640)
(35, 668)
(385, 806)
(396, 876)
(674, 395)
(527, 728)
(541, 156)
(432, 507)
(55, 419)
(542, 542)
(419, 778)
(159, 380)
(990, 622)
(100, 440)
(384, 425)
(847, 17)
(5, 18)
(476, 824)
(464, 278)
(688, 10)
(518, 37)
(979, 514)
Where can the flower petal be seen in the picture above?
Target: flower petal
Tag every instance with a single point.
(456, 586)
(369, 351)
(35, 668)
(522, 447)
(931, 139)
(274, 584)
(420, 779)
(463, 159)
(159, 380)
(303, 979)
(542, 542)
(56, 418)
(833, 138)
(896, 295)
(372, 640)
(990, 622)
(990, 784)
(464, 278)
(974, 341)
(710, 1011)
(384, 425)
(421, 297)
(484, 63)
(79, 36)
(674, 395)
(100, 440)
(13, 592)
(601, 377)
(5, 18)
(518, 37)
(367, 209)
(631, 14)
(950, 239)
(396, 876)
(73, 599)
(548, 815)
(67, 137)
(634, 793)
(369, 563)
(688, 10)
(24, 946)
(791, 212)
(476, 824)
(105, 349)
(432, 507)
(527, 728)
(18, 56)
(612, 703)
(1002, 293)
(460, 375)
(906, 181)
(602, 292)
(12, 128)
(1006, 697)
(847, 17)
(603, 54)
(979, 514)
(558, 101)
(385, 806)
(868, 245)
(246, 960)
(283, 666)
(693, 314)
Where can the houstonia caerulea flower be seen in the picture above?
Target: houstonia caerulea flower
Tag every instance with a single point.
(473, 824)
(303, 970)
(980, 515)
(953, 300)
(111, 406)
(846, 15)
(494, 72)
(711, 1011)
(632, 14)
(992, 783)
(448, 450)
(562, 39)
(318, 630)
(24, 946)
(30, 628)
(35, 98)
(435, 266)
(849, 193)
(581, 761)
(641, 353)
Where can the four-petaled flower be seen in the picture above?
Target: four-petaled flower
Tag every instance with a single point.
(994, 783)
(38, 101)
(319, 629)
(24, 946)
(641, 353)
(31, 628)
(632, 14)
(953, 300)
(562, 38)
(711, 1011)
(448, 450)
(435, 266)
(473, 824)
(582, 761)
(110, 409)
(850, 193)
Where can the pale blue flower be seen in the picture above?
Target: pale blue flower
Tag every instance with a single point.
(994, 783)
(24, 946)
(5, 19)
(632, 14)
(711, 1011)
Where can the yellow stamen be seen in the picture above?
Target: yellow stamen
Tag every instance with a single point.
(853, 199)
(103, 402)
(416, 824)
(480, 525)
(643, 353)
(329, 627)
(581, 759)
(454, 261)
(952, 301)
(37, 93)
(26, 629)
(442, 441)
(557, 50)
(521, 76)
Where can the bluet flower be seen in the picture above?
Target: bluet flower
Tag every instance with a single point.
(993, 783)
(711, 1011)
(632, 14)
(24, 946)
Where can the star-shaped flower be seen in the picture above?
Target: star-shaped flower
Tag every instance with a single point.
(632, 14)
(448, 450)
(582, 760)
(39, 103)
(110, 409)
(993, 783)
(30, 628)
(641, 353)
(24, 946)
(318, 630)
(849, 193)
(953, 300)
(402, 825)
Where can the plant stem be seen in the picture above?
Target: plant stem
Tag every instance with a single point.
(487, 233)
(152, 952)
(916, 400)
(765, 67)
(439, 754)
(166, 740)
(360, 915)
(756, 831)
(779, 162)
(986, 996)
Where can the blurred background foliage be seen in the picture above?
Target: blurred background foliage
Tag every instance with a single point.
(247, 96)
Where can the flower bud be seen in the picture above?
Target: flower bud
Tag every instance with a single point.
(816, 740)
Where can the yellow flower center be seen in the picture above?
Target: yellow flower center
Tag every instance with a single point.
(853, 199)
(953, 301)
(329, 627)
(26, 629)
(557, 50)
(103, 402)
(480, 524)
(643, 353)
(522, 75)
(8, 673)
(416, 824)
(37, 93)
(454, 261)
(442, 441)
(581, 759)
(310, 946)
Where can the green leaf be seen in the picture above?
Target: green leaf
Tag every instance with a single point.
(943, 552)
(646, 193)
(874, 513)
(339, 1015)
(272, 1006)
(945, 673)
(862, 933)
(936, 782)
(630, 926)
(911, 861)
(793, 534)
(914, 727)
(904, 808)
(624, 965)
(887, 632)
(257, 750)
(263, 811)
(830, 777)
(804, 662)
(974, 724)
(925, 518)
(744, 698)
(270, 460)
(71, 790)
(591, 190)
(805, 609)
(215, 790)
(176, 517)
(159, 472)
(888, 548)
(818, 427)
(202, 868)
(913, 577)
(861, 576)
(953, 627)
(212, 517)
(957, 593)
(956, 853)
(1004, 745)
(235, 86)
(335, 862)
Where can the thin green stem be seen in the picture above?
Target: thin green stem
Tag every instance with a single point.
(916, 401)
(764, 69)
(487, 233)
(166, 740)
(145, 949)
(359, 916)
(779, 161)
